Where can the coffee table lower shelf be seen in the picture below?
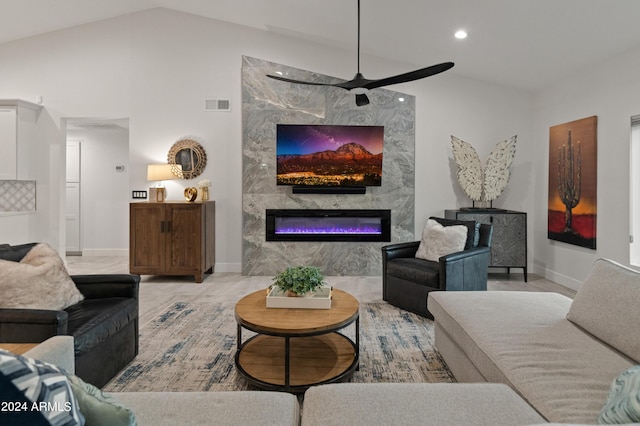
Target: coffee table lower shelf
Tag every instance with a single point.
(313, 360)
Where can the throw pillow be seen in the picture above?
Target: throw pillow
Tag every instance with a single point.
(98, 408)
(473, 229)
(623, 403)
(38, 281)
(42, 392)
(438, 240)
(606, 305)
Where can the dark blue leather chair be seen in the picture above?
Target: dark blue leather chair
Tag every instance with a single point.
(407, 280)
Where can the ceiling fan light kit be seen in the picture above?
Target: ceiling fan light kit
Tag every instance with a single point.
(359, 86)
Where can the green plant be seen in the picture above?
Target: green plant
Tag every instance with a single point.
(299, 279)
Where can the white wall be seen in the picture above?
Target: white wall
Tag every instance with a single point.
(157, 67)
(611, 91)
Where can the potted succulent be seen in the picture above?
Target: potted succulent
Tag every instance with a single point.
(299, 280)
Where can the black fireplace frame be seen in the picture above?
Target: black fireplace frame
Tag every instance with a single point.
(384, 215)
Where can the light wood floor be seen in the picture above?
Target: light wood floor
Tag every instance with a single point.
(157, 292)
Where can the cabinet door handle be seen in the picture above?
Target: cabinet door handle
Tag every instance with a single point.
(162, 226)
(168, 226)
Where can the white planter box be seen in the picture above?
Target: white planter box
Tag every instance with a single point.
(320, 300)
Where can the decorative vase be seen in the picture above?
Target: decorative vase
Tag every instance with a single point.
(205, 193)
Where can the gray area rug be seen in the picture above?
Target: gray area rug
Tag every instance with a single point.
(191, 347)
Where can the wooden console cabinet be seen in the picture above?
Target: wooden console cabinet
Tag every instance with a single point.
(172, 238)
(509, 241)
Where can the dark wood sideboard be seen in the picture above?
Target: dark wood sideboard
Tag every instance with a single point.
(172, 238)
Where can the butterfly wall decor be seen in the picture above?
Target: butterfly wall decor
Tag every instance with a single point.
(483, 184)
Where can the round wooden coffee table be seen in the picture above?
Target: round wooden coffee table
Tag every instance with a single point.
(297, 348)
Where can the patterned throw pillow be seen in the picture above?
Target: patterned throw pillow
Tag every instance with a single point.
(41, 392)
(623, 404)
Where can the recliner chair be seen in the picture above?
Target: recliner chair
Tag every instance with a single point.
(407, 280)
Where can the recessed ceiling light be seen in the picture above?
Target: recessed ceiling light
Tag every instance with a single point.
(401, 99)
(460, 34)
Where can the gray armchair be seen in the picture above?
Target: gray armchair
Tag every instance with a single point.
(407, 280)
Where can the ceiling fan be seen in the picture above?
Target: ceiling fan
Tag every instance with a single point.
(360, 85)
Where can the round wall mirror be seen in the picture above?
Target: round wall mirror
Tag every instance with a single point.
(190, 155)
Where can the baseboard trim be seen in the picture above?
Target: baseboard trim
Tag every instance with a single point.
(105, 252)
(228, 267)
(558, 278)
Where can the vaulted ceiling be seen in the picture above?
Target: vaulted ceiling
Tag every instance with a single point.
(526, 44)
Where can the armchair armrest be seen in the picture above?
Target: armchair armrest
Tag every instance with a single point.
(465, 270)
(31, 325)
(99, 286)
(461, 255)
(399, 250)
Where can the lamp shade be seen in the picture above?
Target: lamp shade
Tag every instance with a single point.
(157, 172)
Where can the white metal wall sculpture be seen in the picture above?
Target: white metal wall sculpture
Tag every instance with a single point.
(483, 185)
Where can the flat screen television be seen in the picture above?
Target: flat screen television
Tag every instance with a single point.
(319, 155)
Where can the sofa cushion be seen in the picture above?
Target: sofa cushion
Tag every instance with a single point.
(246, 408)
(623, 403)
(417, 271)
(523, 339)
(415, 404)
(438, 240)
(93, 321)
(38, 281)
(606, 306)
(42, 390)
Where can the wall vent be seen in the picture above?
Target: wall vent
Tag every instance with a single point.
(217, 105)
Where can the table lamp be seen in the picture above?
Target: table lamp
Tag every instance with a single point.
(160, 172)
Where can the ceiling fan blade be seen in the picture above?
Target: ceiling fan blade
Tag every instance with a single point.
(289, 80)
(410, 76)
(362, 100)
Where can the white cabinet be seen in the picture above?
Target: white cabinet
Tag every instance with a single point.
(18, 138)
(8, 143)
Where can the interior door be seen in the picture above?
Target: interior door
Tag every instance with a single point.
(73, 236)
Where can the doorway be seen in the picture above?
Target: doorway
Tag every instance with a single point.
(97, 194)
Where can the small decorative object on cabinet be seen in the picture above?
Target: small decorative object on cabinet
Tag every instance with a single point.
(509, 242)
(172, 238)
(204, 185)
(190, 194)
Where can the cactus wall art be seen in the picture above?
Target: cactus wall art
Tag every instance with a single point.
(572, 208)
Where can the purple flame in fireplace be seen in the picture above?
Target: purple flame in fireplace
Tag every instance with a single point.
(332, 225)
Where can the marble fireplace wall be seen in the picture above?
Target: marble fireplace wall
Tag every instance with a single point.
(267, 102)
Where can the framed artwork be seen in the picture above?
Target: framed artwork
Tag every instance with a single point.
(572, 205)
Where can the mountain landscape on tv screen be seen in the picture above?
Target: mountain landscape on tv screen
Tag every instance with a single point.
(350, 164)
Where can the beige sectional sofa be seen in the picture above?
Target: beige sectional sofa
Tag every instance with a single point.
(440, 404)
(551, 358)
(560, 355)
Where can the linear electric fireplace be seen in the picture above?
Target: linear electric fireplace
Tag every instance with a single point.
(328, 225)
